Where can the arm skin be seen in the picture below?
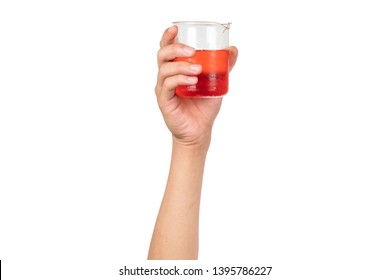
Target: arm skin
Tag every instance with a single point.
(175, 233)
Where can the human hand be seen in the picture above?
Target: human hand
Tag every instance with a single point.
(189, 120)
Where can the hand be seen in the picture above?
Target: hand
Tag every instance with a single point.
(189, 120)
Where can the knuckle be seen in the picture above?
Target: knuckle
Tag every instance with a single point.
(157, 89)
(162, 71)
(167, 84)
(160, 54)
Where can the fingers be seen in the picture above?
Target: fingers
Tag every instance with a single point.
(172, 51)
(168, 36)
(174, 74)
(171, 83)
(167, 90)
(177, 68)
(233, 54)
(179, 73)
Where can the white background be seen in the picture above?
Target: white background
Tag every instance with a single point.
(298, 173)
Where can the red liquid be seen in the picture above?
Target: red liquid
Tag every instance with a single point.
(214, 79)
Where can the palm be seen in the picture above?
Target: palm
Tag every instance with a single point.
(188, 119)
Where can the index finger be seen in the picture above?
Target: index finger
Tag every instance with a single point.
(168, 36)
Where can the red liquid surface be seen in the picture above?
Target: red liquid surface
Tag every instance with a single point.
(214, 79)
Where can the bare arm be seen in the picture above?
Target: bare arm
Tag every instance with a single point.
(175, 234)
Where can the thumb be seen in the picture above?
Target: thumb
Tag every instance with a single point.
(233, 54)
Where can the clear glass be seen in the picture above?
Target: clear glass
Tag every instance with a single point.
(211, 41)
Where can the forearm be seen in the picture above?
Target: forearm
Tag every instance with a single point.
(175, 234)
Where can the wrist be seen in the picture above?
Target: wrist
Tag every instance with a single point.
(195, 147)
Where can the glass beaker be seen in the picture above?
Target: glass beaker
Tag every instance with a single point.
(211, 42)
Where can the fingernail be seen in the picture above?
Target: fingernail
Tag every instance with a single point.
(192, 80)
(195, 68)
(188, 51)
(170, 29)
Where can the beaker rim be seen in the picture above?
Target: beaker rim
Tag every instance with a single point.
(201, 22)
